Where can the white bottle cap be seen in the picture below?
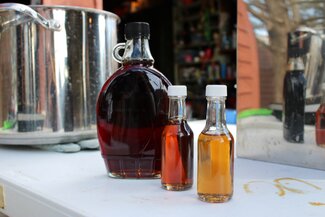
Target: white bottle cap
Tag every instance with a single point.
(216, 90)
(177, 90)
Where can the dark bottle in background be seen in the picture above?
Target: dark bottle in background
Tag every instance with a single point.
(294, 92)
(177, 144)
(132, 110)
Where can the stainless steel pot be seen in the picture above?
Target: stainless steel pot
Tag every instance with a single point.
(53, 62)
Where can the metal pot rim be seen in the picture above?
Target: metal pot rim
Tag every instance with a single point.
(76, 8)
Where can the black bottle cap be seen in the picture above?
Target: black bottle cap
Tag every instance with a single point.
(137, 30)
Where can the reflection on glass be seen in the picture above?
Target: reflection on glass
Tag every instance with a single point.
(279, 32)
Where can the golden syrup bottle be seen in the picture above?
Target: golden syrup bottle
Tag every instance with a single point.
(177, 144)
(215, 151)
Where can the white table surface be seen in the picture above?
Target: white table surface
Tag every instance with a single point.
(46, 184)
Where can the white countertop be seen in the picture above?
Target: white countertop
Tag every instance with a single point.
(44, 183)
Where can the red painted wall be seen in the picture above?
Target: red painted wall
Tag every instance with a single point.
(248, 79)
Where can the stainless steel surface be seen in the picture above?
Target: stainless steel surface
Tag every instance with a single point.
(49, 80)
(25, 15)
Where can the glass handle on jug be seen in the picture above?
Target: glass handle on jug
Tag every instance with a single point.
(116, 56)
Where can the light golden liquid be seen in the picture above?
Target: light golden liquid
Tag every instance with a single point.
(215, 167)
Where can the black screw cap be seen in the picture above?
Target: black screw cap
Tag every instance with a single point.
(137, 30)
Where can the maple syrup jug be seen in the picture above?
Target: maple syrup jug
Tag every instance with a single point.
(132, 109)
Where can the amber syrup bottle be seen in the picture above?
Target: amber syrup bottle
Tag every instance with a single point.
(132, 109)
(215, 150)
(320, 122)
(177, 144)
(294, 91)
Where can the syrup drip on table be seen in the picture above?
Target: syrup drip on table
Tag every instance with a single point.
(282, 189)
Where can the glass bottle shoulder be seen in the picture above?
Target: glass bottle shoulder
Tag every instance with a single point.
(214, 133)
(178, 128)
(128, 73)
(295, 76)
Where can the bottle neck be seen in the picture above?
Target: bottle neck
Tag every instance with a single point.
(137, 51)
(215, 118)
(295, 64)
(177, 108)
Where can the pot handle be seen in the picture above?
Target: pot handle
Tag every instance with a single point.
(116, 56)
(29, 12)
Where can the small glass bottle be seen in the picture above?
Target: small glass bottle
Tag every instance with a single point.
(320, 122)
(294, 91)
(177, 144)
(132, 110)
(215, 150)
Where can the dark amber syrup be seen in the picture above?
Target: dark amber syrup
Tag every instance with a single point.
(132, 111)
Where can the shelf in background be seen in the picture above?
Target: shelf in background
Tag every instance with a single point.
(205, 52)
(191, 18)
(187, 18)
(228, 51)
(201, 62)
(216, 81)
(191, 5)
(196, 45)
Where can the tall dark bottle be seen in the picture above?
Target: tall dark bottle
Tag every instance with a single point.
(132, 110)
(294, 92)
